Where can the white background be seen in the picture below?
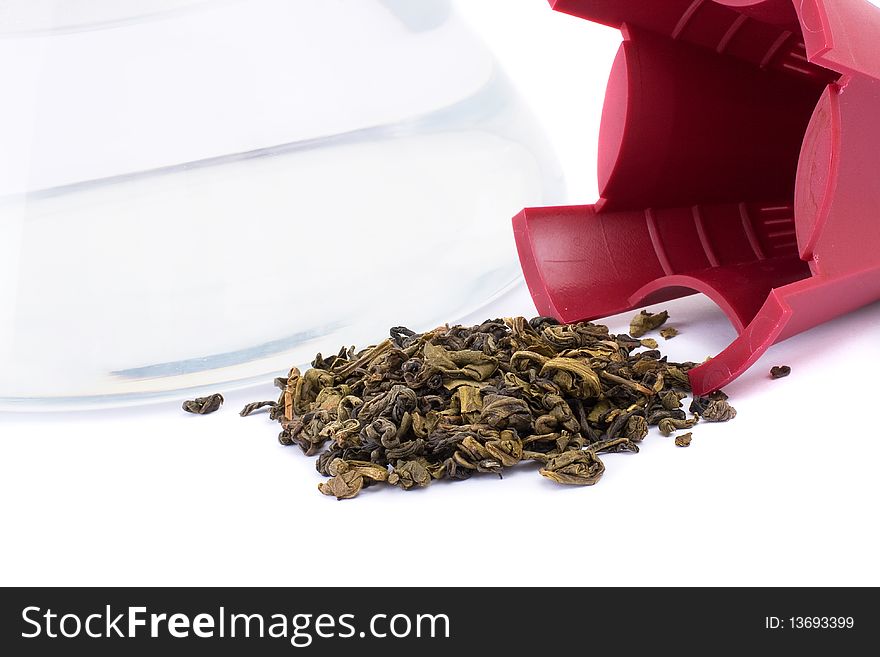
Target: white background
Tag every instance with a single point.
(785, 494)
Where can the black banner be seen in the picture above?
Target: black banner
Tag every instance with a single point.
(428, 621)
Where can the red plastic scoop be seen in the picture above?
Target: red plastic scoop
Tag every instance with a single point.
(739, 156)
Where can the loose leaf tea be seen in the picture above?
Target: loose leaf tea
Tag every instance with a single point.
(684, 440)
(718, 410)
(253, 407)
(779, 371)
(670, 425)
(203, 405)
(645, 322)
(460, 401)
(668, 333)
(578, 467)
(698, 405)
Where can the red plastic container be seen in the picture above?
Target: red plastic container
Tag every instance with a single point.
(739, 156)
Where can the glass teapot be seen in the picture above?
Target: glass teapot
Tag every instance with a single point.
(198, 194)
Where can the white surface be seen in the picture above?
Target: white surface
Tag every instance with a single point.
(560, 65)
(784, 494)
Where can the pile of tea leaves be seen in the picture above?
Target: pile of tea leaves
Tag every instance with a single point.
(460, 401)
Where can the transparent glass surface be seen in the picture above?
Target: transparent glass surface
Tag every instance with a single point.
(200, 195)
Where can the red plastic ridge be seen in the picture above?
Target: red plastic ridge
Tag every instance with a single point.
(739, 157)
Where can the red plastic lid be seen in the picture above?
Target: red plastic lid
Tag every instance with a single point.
(738, 157)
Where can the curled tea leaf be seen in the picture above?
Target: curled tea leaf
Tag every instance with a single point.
(365, 469)
(645, 322)
(344, 433)
(699, 404)
(677, 378)
(203, 405)
(718, 410)
(574, 468)
(670, 425)
(402, 336)
(251, 408)
(638, 387)
(683, 440)
(343, 486)
(508, 449)
(614, 446)
(503, 412)
(463, 364)
(470, 402)
(636, 428)
(779, 371)
(655, 416)
(670, 400)
(409, 474)
(573, 376)
(290, 432)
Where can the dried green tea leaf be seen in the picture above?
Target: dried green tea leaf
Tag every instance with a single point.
(668, 333)
(677, 378)
(203, 405)
(508, 449)
(669, 425)
(614, 446)
(650, 343)
(574, 377)
(460, 401)
(409, 474)
(343, 486)
(699, 404)
(464, 364)
(502, 412)
(636, 428)
(470, 402)
(779, 371)
(638, 387)
(344, 432)
(683, 440)
(575, 468)
(670, 400)
(363, 468)
(249, 409)
(718, 410)
(645, 322)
